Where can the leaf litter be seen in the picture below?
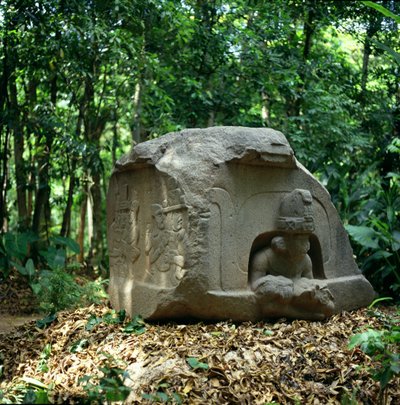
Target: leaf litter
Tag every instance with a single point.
(279, 361)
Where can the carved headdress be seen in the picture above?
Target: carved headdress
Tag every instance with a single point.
(295, 212)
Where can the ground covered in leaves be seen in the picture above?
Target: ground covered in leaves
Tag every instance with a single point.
(16, 297)
(225, 362)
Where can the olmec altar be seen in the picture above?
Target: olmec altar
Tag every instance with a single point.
(223, 223)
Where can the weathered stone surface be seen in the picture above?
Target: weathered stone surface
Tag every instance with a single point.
(225, 223)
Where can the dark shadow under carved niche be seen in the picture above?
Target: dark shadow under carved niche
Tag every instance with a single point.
(264, 240)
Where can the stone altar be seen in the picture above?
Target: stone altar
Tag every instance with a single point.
(225, 223)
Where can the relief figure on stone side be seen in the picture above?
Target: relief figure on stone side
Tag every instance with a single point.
(124, 233)
(282, 270)
(166, 240)
(157, 239)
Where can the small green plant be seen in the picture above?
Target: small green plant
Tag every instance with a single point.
(196, 364)
(348, 399)
(43, 359)
(163, 394)
(48, 271)
(110, 318)
(46, 321)
(383, 347)
(79, 346)
(110, 386)
(27, 390)
(136, 326)
(57, 290)
(94, 292)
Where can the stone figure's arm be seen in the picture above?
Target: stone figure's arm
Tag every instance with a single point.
(147, 239)
(307, 268)
(258, 268)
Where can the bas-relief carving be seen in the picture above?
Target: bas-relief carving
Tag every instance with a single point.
(282, 272)
(124, 231)
(166, 238)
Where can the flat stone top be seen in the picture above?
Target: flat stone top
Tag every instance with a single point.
(214, 145)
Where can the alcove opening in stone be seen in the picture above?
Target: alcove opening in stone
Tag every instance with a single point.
(264, 240)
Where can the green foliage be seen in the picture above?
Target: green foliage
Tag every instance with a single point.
(383, 347)
(50, 278)
(79, 346)
(43, 359)
(93, 292)
(382, 10)
(27, 391)
(109, 385)
(348, 399)
(109, 318)
(136, 326)
(379, 240)
(57, 290)
(14, 250)
(163, 394)
(17, 249)
(196, 364)
(46, 321)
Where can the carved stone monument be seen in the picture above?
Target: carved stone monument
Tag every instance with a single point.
(225, 223)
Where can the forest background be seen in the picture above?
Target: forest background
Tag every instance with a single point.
(81, 81)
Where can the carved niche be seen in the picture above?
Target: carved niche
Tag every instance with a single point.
(282, 271)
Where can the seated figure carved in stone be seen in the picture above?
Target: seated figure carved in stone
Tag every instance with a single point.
(282, 271)
(287, 256)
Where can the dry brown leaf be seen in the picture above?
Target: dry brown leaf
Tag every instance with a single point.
(299, 360)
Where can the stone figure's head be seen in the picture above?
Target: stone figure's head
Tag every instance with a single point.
(278, 244)
(294, 245)
(158, 215)
(178, 222)
(296, 223)
(297, 244)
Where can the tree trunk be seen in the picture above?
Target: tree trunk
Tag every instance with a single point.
(396, 111)
(66, 222)
(42, 212)
(211, 118)
(137, 116)
(18, 154)
(115, 138)
(89, 210)
(3, 144)
(94, 124)
(294, 104)
(97, 215)
(364, 71)
(40, 219)
(374, 26)
(309, 28)
(265, 108)
(32, 102)
(81, 229)
(3, 183)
